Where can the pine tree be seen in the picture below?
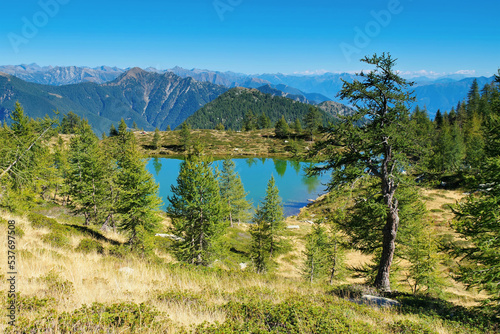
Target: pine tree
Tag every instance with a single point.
(281, 128)
(138, 202)
(297, 126)
(473, 99)
(185, 136)
(122, 128)
(70, 123)
(197, 211)
(168, 128)
(264, 121)
(249, 122)
(233, 193)
(312, 121)
(156, 139)
(438, 119)
(134, 126)
(220, 127)
(112, 131)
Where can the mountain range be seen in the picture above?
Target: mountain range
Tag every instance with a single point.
(146, 98)
(434, 93)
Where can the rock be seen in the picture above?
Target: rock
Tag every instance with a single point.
(126, 270)
(293, 227)
(243, 266)
(171, 236)
(378, 301)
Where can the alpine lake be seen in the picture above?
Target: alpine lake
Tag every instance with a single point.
(296, 189)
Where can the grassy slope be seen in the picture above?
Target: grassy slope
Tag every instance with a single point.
(260, 143)
(53, 280)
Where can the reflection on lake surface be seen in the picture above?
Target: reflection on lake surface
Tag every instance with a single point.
(294, 186)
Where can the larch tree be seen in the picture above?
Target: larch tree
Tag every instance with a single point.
(271, 213)
(197, 211)
(312, 120)
(86, 174)
(233, 193)
(378, 147)
(138, 202)
(185, 136)
(157, 139)
(259, 249)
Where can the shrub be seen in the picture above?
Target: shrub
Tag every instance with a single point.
(354, 291)
(119, 251)
(96, 318)
(89, 246)
(32, 303)
(40, 221)
(56, 239)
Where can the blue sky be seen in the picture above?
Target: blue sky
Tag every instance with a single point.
(253, 36)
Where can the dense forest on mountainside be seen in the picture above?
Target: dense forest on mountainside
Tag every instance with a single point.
(230, 108)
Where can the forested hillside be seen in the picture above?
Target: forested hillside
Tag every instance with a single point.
(230, 109)
(148, 99)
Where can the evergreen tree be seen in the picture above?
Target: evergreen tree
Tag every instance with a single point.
(112, 131)
(264, 121)
(134, 126)
(233, 193)
(197, 211)
(122, 128)
(281, 129)
(272, 215)
(477, 222)
(156, 139)
(315, 265)
(86, 175)
(297, 126)
(70, 123)
(220, 127)
(185, 136)
(438, 119)
(24, 159)
(473, 99)
(259, 249)
(475, 143)
(138, 202)
(168, 128)
(312, 121)
(249, 122)
(378, 148)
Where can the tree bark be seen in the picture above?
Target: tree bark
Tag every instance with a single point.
(382, 281)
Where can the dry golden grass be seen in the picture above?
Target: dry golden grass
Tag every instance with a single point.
(97, 278)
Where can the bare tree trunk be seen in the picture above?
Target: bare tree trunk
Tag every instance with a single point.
(55, 193)
(334, 265)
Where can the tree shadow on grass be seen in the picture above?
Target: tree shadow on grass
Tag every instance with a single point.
(477, 317)
(94, 234)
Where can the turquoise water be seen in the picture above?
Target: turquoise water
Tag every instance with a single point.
(294, 186)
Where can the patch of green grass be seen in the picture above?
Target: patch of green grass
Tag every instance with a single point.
(90, 245)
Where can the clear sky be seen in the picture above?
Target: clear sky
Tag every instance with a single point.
(253, 36)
